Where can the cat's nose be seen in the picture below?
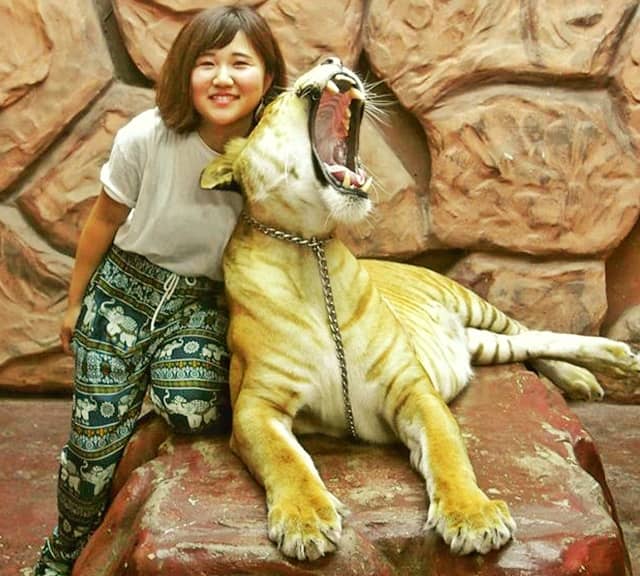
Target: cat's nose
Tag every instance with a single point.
(333, 60)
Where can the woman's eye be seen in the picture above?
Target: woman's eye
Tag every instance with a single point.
(205, 62)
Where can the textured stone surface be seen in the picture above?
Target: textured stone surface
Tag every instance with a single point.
(148, 29)
(627, 78)
(534, 170)
(55, 200)
(627, 326)
(24, 67)
(195, 509)
(52, 89)
(33, 299)
(321, 28)
(395, 227)
(454, 45)
(555, 295)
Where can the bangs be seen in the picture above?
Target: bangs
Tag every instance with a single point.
(218, 35)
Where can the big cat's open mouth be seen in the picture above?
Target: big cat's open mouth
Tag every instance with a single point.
(334, 126)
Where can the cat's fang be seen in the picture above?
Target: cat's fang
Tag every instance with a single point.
(332, 87)
(356, 94)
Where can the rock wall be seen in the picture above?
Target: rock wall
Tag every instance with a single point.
(506, 148)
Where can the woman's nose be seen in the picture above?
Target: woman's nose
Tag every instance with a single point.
(223, 76)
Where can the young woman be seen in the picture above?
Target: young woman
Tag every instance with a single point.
(145, 300)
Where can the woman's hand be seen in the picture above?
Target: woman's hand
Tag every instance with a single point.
(68, 325)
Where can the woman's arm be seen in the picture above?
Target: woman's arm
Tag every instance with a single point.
(103, 222)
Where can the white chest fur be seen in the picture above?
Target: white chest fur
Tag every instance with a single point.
(328, 397)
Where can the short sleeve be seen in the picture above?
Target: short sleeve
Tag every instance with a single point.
(121, 175)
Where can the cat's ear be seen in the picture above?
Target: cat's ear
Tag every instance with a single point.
(219, 172)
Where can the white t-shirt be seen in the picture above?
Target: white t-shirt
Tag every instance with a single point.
(173, 222)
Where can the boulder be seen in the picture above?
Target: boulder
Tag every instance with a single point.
(618, 438)
(537, 170)
(194, 508)
(57, 62)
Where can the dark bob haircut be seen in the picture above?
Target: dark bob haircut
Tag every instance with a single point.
(212, 29)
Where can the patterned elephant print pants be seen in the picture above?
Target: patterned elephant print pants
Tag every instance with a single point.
(141, 328)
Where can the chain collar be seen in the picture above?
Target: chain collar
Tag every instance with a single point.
(317, 245)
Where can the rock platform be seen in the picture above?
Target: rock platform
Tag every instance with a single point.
(193, 509)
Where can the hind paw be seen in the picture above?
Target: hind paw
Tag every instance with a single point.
(307, 526)
(477, 525)
(621, 360)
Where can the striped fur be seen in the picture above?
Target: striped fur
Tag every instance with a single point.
(410, 337)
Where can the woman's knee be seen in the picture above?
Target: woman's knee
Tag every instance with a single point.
(190, 381)
(192, 411)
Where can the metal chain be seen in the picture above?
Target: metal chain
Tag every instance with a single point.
(317, 245)
(279, 234)
(335, 331)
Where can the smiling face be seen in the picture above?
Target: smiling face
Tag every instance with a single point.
(227, 85)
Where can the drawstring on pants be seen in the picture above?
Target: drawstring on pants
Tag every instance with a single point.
(170, 285)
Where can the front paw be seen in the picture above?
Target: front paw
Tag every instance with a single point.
(306, 526)
(473, 524)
